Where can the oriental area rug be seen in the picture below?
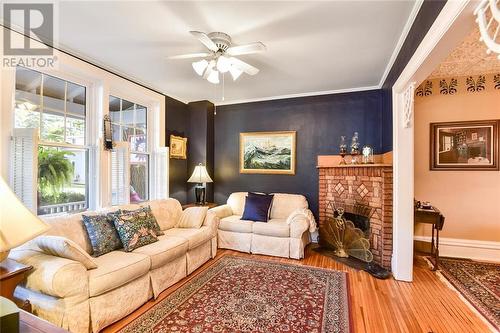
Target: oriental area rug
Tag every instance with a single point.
(247, 295)
(478, 282)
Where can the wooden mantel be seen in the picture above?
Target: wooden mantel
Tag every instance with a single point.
(333, 161)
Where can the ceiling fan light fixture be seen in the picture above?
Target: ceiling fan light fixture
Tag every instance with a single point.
(235, 72)
(200, 66)
(213, 77)
(223, 64)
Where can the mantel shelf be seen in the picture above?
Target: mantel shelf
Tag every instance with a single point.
(354, 166)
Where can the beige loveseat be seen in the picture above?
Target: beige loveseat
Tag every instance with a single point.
(65, 293)
(285, 235)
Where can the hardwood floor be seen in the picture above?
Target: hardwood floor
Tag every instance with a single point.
(378, 306)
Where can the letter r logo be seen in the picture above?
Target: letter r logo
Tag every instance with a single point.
(33, 20)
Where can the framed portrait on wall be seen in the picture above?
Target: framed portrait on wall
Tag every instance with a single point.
(268, 152)
(178, 147)
(464, 145)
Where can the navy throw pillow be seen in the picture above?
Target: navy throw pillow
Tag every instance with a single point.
(257, 208)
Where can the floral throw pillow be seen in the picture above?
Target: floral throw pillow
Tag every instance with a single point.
(149, 216)
(134, 230)
(102, 233)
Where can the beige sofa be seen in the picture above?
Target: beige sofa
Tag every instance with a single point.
(65, 293)
(283, 235)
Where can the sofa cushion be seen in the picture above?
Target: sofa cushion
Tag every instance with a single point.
(285, 204)
(192, 217)
(235, 224)
(65, 248)
(257, 207)
(273, 227)
(166, 211)
(135, 230)
(69, 226)
(165, 250)
(194, 237)
(115, 269)
(237, 202)
(147, 216)
(102, 233)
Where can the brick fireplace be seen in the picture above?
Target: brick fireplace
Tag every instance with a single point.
(369, 185)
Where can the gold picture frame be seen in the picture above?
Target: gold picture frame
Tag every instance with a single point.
(268, 152)
(178, 147)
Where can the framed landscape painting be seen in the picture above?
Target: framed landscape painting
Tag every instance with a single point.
(268, 152)
(465, 145)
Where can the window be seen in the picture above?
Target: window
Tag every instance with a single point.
(129, 124)
(56, 109)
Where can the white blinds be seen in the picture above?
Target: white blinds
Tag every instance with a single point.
(159, 184)
(24, 166)
(120, 174)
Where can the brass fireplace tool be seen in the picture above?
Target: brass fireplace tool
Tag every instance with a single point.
(346, 238)
(342, 237)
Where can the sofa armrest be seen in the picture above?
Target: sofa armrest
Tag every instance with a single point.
(51, 275)
(212, 221)
(222, 211)
(298, 226)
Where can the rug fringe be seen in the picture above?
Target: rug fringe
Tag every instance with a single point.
(462, 297)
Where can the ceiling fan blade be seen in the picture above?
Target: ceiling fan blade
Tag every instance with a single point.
(203, 37)
(246, 49)
(243, 66)
(191, 55)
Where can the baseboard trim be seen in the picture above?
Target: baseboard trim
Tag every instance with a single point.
(465, 248)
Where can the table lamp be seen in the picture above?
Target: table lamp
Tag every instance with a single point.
(17, 223)
(200, 176)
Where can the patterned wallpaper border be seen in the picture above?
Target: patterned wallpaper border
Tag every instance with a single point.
(456, 85)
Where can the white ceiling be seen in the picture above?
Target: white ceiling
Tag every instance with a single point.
(312, 46)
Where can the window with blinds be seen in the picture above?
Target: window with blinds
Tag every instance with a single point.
(129, 124)
(52, 112)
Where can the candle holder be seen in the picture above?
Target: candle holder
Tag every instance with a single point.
(342, 150)
(355, 148)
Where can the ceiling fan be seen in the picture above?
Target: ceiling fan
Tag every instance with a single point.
(221, 56)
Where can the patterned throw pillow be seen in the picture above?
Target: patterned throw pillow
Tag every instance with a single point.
(102, 233)
(134, 230)
(149, 216)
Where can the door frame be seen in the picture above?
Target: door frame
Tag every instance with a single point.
(454, 22)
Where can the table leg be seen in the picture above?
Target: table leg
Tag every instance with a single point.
(433, 250)
(437, 248)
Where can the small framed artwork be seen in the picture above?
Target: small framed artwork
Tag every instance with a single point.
(465, 145)
(178, 147)
(268, 152)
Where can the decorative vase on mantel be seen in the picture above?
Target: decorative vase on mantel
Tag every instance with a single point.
(342, 150)
(355, 148)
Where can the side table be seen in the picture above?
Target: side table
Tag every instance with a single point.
(206, 204)
(11, 274)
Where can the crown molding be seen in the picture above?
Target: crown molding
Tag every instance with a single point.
(308, 94)
(402, 38)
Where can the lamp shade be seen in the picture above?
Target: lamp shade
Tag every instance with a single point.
(17, 223)
(200, 175)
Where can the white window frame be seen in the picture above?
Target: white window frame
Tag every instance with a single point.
(91, 130)
(153, 138)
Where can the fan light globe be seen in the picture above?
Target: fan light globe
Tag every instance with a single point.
(213, 77)
(200, 66)
(223, 64)
(235, 72)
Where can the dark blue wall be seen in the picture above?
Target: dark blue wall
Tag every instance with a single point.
(177, 124)
(319, 122)
(426, 16)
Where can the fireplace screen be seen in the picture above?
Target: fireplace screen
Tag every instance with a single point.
(346, 230)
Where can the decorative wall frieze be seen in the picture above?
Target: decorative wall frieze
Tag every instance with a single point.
(453, 86)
